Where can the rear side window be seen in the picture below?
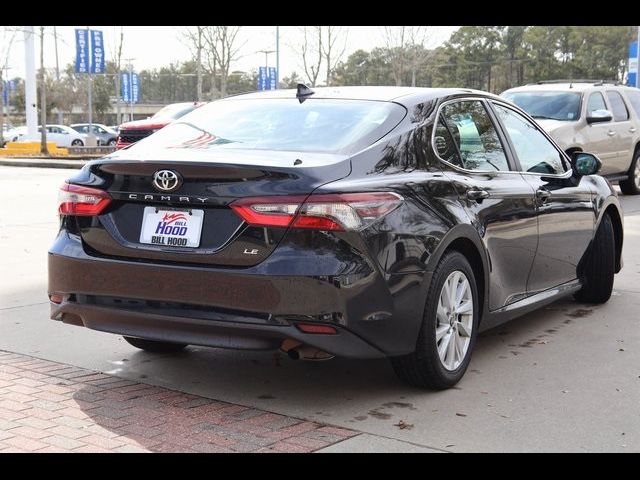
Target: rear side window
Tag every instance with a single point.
(634, 98)
(596, 102)
(466, 137)
(316, 125)
(618, 107)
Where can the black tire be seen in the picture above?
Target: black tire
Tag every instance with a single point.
(423, 368)
(77, 143)
(112, 142)
(154, 346)
(631, 185)
(599, 267)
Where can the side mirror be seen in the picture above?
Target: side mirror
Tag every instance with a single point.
(585, 163)
(598, 116)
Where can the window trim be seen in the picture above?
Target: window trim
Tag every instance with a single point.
(628, 101)
(624, 104)
(501, 137)
(567, 174)
(604, 99)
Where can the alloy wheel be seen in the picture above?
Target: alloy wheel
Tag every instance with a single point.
(454, 320)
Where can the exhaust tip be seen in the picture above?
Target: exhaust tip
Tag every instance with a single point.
(56, 298)
(293, 354)
(308, 353)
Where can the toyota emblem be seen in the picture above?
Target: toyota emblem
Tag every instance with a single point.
(166, 180)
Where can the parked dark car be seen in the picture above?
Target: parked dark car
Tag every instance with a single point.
(363, 222)
(130, 132)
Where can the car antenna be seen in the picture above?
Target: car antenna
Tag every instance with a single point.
(303, 92)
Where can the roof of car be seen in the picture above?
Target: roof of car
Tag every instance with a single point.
(564, 86)
(397, 94)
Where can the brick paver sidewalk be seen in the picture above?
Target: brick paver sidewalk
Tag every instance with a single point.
(51, 407)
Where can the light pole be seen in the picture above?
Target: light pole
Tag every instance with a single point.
(277, 57)
(129, 62)
(30, 83)
(266, 56)
(55, 43)
(638, 59)
(91, 138)
(5, 77)
(266, 67)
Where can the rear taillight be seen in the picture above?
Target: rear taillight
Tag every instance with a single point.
(339, 211)
(76, 200)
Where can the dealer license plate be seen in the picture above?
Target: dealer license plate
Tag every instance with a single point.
(171, 228)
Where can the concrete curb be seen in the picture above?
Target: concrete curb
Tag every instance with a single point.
(42, 163)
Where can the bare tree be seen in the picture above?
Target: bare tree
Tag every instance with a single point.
(395, 41)
(406, 50)
(117, 60)
(417, 53)
(194, 37)
(211, 64)
(7, 38)
(311, 50)
(223, 46)
(333, 48)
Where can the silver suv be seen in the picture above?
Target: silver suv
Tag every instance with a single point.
(590, 116)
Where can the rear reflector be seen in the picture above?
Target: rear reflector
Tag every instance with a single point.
(311, 328)
(341, 211)
(85, 201)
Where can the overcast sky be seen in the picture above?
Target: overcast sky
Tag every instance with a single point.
(152, 47)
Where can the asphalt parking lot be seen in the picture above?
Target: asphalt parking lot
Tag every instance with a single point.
(564, 378)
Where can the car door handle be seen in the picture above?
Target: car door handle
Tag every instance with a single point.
(477, 194)
(632, 130)
(542, 194)
(610, 133)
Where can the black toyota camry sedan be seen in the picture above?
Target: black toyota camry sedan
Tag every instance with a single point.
(361, 222)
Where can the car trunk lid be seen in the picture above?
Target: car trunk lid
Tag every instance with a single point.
(210, 182)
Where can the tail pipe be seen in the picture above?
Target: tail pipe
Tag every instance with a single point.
(298, 351)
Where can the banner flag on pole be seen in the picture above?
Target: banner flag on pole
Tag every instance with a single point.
(125, 87)
(97, 52)
(135, 88)
(82, 47)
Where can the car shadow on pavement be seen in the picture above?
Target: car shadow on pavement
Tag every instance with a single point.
(214, 400)
(265, 378)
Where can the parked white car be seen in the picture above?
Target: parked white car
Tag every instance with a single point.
(14, 134)
(65, 136)
(62, 135)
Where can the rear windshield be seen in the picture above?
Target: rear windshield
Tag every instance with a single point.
(547, 105)
(316, 125)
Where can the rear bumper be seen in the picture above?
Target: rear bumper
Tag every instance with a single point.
(233, 308)
(207, 332)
